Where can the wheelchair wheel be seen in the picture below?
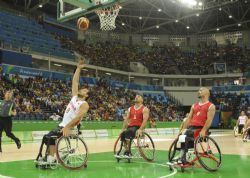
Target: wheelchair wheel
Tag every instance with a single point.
(174, 151)
(245, 135)
(208, 153)
(72, 152)
(236, 132)
(146, 147)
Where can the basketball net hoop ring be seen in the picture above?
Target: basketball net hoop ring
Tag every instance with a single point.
(107, 16)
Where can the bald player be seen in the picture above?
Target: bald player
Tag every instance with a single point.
(200, 118)
(134, 123)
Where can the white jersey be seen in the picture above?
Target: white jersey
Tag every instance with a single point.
(71, 110)
(242, 120)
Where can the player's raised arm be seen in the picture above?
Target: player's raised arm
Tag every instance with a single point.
(76, 77)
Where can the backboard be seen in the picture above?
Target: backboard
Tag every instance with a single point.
(70, 9)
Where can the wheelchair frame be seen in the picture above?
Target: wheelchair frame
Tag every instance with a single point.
(40, 162)
(196, 156)
(135, 143)
(245, 136)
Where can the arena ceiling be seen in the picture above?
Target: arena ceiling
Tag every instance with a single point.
(165, 16)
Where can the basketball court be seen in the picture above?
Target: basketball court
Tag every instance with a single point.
(101, 162)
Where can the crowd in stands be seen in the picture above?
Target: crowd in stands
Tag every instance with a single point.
(235, 102)
(40, 95)
(163, 59)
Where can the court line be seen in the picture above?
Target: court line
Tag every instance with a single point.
(2, 176)
(169, 175)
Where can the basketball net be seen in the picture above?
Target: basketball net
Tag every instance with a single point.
(107, 16)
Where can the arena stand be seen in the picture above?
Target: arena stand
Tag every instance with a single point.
(38, 97)
(21, 32)
(158, 59)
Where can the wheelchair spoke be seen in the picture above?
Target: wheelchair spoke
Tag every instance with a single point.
(208, 153)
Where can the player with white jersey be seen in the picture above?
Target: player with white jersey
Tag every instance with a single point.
(241, 121)
(71, 110)
(75, 111)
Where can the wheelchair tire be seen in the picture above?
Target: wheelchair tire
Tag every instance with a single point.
(245, 135)
(236, 132)
(142, 146)
(174, 150)
(116, 146)
(77, 142)
(208, 154)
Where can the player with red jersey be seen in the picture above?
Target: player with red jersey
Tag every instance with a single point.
(134, 122)
(198, 121)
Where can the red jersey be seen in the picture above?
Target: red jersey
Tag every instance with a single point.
(200, 111)
(135, 116)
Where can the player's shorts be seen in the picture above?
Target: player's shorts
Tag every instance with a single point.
(129, 133)
(48, 137)
(191, 133)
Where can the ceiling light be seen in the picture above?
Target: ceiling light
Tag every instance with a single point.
(59, 65)
(40, 5)
(123, 24)
(108, 73)
(230, 16)
(120, 7)
(189, 3)
(187, 27)
(157, 26)
(217, 29)
(239, 24)
(159, 10)
(197, 15)
(140, 17)
(220, 9)
(176, 21)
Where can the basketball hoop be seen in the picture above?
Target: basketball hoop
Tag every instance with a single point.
(107, 17)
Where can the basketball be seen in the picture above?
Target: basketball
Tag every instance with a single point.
(83, 23)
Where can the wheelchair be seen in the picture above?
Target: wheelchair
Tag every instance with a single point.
(245, 135)
(204, 154)
(71, 153)
(236, 131)
(139, 147)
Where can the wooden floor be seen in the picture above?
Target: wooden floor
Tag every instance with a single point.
(227, 142)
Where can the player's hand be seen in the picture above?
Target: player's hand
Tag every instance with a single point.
(139, 132)
(81, 64)
(202, 133)
(65, 131)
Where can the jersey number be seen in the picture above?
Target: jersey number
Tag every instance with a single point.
(67, 110)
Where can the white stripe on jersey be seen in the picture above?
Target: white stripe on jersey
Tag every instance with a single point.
(71, 110)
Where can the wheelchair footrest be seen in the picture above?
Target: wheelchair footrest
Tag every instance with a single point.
(45, 165)
(123, 157)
